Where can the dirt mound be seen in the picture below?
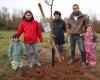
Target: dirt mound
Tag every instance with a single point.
(61, 71)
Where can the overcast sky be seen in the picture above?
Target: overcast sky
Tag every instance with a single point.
(89, 7)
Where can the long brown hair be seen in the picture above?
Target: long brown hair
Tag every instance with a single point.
(28, 11)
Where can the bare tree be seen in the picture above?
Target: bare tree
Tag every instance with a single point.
(54, 48)
(17, 14)
(50, 3)
(5, 14)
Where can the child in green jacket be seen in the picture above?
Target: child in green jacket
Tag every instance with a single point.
(15, 53)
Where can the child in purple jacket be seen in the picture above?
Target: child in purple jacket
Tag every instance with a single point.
(90, 46)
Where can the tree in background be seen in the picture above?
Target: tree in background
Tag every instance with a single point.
(96, 23)
(4, 17)
(50, 3)
(10, 21)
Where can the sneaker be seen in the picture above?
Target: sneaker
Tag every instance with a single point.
(35, 64)
(84, 65)
(70, 61)
(88, 65)
(14, 65)
(62, 57)
(38, 64)
(31, 65)
(20, 65)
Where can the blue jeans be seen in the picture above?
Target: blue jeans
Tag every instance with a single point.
(60, 48)
(79, 39)
(33, 46)
(17, 59)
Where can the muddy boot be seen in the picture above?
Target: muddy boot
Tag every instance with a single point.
(71, 61)
(59, 58)
(62, 57)
(38, 64)
(84, 65)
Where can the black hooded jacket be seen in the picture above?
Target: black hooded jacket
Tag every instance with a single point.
(58, 29)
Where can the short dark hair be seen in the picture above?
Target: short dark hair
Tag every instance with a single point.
(76, 5)
(57, 12)
(15, 36)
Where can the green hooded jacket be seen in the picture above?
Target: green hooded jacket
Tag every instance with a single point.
(15, 50)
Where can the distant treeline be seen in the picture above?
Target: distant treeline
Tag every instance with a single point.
(96, 24)
(11, 21)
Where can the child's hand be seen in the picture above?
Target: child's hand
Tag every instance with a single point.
(41, 40)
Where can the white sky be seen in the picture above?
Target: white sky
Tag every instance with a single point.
(89, 7)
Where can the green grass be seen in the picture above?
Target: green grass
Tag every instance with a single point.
(5, 39)
(4, 61)
(5, 69)
(98, 43)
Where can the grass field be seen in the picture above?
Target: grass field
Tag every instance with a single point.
(5, 36)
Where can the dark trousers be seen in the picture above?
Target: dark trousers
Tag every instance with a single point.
(79, 39)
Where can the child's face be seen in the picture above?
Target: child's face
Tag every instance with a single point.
(16, 39)
(89, 29)
(28, 16)
(57, 16)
